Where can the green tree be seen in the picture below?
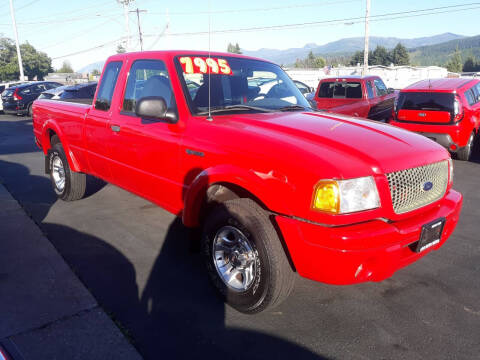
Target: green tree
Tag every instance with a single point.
(35, 63)
(66, 67)
(471, 64)
(357, 58)
(380, 56)
(400, 55)
(455, 64)
(234, 49)
(121, 49)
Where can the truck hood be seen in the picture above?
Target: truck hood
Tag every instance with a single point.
(353, 146)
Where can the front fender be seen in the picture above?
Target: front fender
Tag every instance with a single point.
(51, 125)
(272, 189)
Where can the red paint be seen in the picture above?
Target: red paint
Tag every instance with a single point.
(277, 157)
(376, 106)
(459, 126)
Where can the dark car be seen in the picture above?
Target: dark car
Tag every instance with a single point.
(74, 93)
(18, 99)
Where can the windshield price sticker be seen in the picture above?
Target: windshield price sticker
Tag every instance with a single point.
(205, 65)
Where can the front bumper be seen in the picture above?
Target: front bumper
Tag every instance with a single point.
(370, 251)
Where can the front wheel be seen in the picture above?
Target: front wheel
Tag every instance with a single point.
(245, 258)
(465, 152)
(67, 184)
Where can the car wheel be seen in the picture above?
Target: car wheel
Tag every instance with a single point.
(29, 110)
(465, 152)
(245, 257)
(67, 184)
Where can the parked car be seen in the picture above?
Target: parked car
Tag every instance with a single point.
(74, 93)
(19, 99)
(366, 97)
(5, 86)
(275, 187)
(444, 110)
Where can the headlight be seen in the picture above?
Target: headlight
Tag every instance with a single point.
(346, 196)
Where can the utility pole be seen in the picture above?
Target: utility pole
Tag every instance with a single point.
(365, 52)
(139, 27)
(19, 56)
(125, 4)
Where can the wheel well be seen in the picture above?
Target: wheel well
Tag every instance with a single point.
(51, 134)
(220, 192)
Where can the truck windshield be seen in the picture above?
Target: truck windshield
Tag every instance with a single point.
(237, 85)
(426, 101)
(340, 90)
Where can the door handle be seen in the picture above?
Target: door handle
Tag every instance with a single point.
(115, 128)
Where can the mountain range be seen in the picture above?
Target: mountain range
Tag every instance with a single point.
(346, 46)
(431, 50)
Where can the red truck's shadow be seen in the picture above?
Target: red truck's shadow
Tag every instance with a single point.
(177, 315)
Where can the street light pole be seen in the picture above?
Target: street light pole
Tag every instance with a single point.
(365, 51)
(19, 55)
(125, 4)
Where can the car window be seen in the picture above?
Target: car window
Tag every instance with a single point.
(470, 97)
(341, 90)
(302, 87)
(27, 90)
(2, 87)
(370, 90)
(476, 93)
(107, 86)
(380, 87)
(147, 78)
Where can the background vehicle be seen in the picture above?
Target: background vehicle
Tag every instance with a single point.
(444, 110)
(366, 97)
(275, 187)
(5, 86)
(19, 99)
(73, 93)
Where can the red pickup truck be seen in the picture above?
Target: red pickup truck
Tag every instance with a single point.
(276, 187)
(444, 110)
(366, 97)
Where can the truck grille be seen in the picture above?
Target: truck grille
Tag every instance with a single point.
(409, 188)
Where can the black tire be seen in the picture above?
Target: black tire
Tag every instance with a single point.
(29, 110)
(273, 278)
(465, 152)
(75, 183)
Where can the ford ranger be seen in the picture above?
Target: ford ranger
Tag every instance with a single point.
(276, 187)
(366, 97)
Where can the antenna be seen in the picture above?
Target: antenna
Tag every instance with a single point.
(209, 117)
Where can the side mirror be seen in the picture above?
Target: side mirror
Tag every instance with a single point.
(155, 108)
(391, 90)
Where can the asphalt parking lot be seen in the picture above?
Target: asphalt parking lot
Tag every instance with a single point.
(136, 260)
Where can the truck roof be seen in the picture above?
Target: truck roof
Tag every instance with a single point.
(173, 53)
(351, 77)
(443, 85)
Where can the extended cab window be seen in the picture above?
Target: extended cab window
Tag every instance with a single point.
(369, 90)
(107, 85)
(470, 97)
(147, 78)
(381, 88)
(341, 90)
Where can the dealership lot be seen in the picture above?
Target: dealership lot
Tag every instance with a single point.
(137, 261)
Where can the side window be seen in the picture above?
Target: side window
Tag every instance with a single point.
(369, 90)
(107, 86)
(470, 98)
(476, 93)
(2, 87)
(381, 88)
(147, 78)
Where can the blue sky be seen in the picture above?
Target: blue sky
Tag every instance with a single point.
(61, 27)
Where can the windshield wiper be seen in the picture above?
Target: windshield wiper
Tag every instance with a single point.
(237, 107)
(293, 108)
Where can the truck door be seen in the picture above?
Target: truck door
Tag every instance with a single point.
(96, 127)
(382, 104)
(144, 153)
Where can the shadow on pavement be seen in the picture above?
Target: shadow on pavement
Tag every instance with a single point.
(178, 315)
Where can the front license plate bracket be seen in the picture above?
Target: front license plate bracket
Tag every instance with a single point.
(431, 235)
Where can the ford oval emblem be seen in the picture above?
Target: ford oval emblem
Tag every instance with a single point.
(428, 186)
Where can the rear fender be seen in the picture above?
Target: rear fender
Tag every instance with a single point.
(48, 127)
(270, 189)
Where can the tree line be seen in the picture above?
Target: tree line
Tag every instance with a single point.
(457, 65)
(381, 56)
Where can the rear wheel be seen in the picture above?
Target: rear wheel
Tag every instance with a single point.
(67, 184)
(245, 258)
(465, 152)
(29, 110)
